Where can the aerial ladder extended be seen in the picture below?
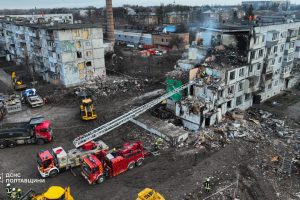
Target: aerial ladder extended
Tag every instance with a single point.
(105, 128)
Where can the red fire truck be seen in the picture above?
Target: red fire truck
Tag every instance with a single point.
(106, 164)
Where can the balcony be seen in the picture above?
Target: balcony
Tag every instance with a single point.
(285, 74)
(287, 63)
(291, 38)
(288, 51)
(271, 43)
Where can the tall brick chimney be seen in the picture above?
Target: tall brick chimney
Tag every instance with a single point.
(110, 22)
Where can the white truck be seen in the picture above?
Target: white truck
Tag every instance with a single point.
(35, 101)
(52, 162)
(32, 98)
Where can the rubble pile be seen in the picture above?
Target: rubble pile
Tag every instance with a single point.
(112, 85)
(222, 56)
(252, 126)
(178, 74)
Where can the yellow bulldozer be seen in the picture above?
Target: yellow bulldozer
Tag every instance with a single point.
(149, 194)
(87, 109)
(53, 193)
(17, 82)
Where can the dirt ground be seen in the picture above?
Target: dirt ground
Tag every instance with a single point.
(177, 173)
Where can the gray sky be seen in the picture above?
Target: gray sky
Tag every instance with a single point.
(9, 4)
(100, 3)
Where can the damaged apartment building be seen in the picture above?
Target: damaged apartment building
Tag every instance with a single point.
(62, 53)
(235, 67)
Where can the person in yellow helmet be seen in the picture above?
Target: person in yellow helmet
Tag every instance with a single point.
(19, 193)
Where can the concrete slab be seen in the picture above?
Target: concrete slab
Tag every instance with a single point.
(163, 129)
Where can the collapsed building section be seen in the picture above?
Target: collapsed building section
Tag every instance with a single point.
(234, 67)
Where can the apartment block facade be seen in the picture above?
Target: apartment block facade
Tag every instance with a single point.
(67, 54)
(243, 66)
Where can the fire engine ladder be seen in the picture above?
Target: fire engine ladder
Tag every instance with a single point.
(105, 128)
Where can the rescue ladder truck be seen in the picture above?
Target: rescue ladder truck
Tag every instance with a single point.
(51, 162)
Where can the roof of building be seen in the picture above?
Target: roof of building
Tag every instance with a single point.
(60, 26)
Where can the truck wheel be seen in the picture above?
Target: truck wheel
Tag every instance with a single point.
(11, 144)
(131, 166)
(2, 144)
(53, 173)
(139, 162)
(101, 179)
(40, 141)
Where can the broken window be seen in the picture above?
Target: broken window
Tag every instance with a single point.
(79, 54)
(273, 61)
(268, 51)
(279, 60)
(252, 55)
(247, 96)
(270, 86)
(241, 72)
(258, 66)
(220, 93)
(275, 49)
(85, 34)
(282, 48)
(238, 101)
(275, 36)
(78, 44)
(251, 68)
(76, 33)
(292, 45)
(263, 38)
(88, 53)
(261, 53)
(88, 63)
(232, 75)
(241, 86)
(229, 104)
(162, 39)
(231, 89)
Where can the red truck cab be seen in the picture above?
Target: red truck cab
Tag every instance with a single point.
(107, 164)
(43, 131)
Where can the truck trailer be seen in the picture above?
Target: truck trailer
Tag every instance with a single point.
(107, 164)
(52, 162)
(36, 130)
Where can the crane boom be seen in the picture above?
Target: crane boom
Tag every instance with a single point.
(105, 128)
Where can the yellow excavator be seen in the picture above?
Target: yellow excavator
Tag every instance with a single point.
(53, 193)
(149, 194)
(87, 109)
(17, 82)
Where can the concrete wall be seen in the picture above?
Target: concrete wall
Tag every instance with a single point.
(66, 56)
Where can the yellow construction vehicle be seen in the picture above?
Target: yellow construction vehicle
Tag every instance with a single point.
(55, 193)
(149, 194)
(87, 109)
(17, 82)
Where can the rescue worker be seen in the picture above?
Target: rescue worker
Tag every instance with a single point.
(13, 194)
(8, 189)
(207, 185)
(157, 144)
(19, 193)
